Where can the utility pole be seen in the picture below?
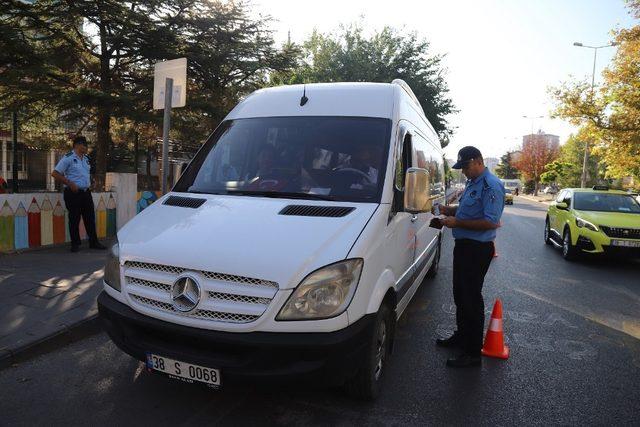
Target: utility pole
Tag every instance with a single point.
(166, 125)
(585, 160)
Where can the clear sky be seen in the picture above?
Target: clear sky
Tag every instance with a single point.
(501, 55)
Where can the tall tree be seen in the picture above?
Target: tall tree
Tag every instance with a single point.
(610, 114)
(572, 153)
(348, 55)
(535, 154)
(506, 168)
(92, 61)
(82, 57)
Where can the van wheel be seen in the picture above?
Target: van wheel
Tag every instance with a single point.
(569, 252)
(433, 270)
(367, 382)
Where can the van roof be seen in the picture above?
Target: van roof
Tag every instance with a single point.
(324, 99)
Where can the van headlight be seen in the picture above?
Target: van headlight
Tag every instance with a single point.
(112, 268)
(586, 224)
(325, 293)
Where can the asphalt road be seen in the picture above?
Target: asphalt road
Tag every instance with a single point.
(573, 330)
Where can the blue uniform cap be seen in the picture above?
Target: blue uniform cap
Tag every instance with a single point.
(465, 155)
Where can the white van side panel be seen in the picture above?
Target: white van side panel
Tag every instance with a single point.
(381, 270)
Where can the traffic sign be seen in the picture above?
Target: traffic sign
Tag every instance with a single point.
(175, 69)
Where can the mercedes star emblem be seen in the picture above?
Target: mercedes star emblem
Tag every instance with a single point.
(185, 294)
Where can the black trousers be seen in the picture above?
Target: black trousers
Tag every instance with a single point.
(80, 204)
(471, 260)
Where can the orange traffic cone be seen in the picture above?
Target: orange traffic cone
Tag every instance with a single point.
(494, 340)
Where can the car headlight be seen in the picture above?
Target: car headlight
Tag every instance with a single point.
(325, 293)
(586, 224)
(112, 268)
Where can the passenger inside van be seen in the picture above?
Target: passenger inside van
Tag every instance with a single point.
(340, 158)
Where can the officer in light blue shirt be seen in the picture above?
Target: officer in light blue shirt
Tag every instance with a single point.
(473, 222)
(74, 172)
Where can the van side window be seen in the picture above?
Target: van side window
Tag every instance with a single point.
(402, 163)
(427, 157)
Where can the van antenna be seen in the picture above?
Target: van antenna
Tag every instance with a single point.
(304, 98)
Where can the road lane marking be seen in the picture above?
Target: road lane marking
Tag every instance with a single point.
(617, 321)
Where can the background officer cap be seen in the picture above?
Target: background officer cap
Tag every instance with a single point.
(80, 140)
(465, 155)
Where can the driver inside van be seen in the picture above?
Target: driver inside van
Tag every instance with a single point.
(362, 160)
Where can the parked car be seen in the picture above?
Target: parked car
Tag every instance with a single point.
(595, 221)
(508, 197)
(289, 247)
(550, 190)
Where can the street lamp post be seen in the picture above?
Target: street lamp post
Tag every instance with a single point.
(583, 178)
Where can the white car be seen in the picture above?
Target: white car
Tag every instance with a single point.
(290, 245)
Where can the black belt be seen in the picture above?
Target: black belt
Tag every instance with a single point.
(473, 242)
(80, 190)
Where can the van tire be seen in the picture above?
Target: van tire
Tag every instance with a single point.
(433, 270)
(366, 384)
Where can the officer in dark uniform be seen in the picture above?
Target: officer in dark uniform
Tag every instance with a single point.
(73, 171)
(473, 222)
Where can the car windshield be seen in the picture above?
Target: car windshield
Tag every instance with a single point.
(506, 190)
(329, 158)
(606, 203)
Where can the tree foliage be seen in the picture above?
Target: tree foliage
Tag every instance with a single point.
(611, 113)
(506, 168)
(349, 55)
(555, 171)
(93, 60)
(536, 153)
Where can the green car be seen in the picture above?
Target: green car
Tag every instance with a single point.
(594, 221)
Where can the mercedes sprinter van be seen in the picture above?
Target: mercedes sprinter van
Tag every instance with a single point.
(290, 245)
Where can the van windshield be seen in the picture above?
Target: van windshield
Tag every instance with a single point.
(328, 158)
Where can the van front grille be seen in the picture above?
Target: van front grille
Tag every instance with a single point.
(224, 297)
(201, 314)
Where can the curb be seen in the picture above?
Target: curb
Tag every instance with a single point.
(545, 202)
(70, 334)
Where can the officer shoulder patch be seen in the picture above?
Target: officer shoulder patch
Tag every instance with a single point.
(69, 154)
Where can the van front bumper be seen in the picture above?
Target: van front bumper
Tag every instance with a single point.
(324, 358)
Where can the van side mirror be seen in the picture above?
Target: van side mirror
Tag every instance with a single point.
(416, 191)
(562, 205)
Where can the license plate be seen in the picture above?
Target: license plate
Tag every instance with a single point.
(184, 371)
(625, 243)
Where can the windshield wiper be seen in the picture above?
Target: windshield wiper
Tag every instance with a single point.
(282, 194)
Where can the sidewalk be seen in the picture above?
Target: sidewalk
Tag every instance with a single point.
(47, 297)
(542, 198)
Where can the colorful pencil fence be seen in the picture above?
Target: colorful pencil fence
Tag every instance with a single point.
(41, 219)
(59, 226)
(33, 216)
(101, 219)
(6, 227)
(46, 222)
(145, 198)
(21, 228)
(111, 216)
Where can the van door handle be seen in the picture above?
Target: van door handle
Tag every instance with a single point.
(414, 218)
